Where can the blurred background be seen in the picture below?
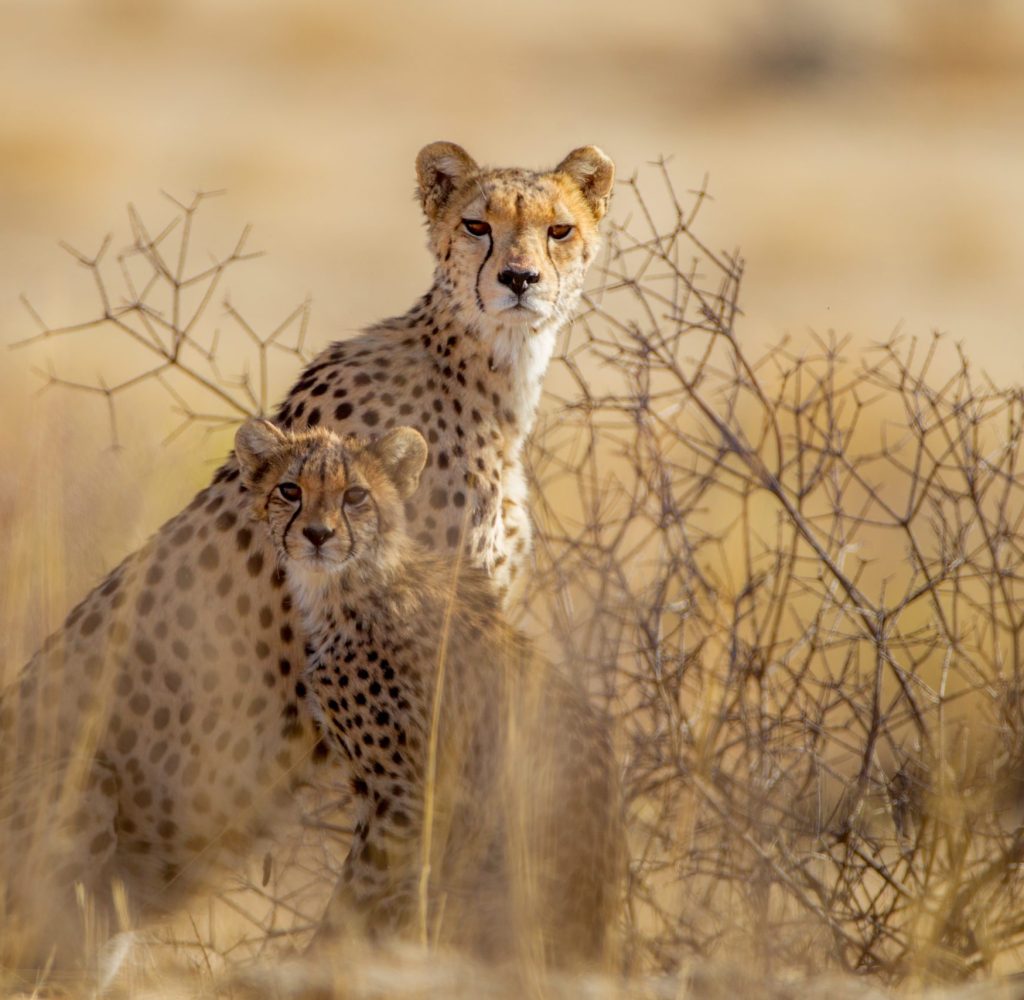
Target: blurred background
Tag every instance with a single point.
(866, 158)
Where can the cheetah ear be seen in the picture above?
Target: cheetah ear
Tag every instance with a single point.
(593, 173)
(403, 453)
(440, 168)
(255, 441)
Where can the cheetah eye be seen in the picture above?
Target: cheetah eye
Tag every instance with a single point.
(354, 496)
(476, 228)
(290, 491)
(561, 232)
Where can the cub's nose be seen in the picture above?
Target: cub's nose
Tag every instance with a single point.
(318, 533)
(518, 280)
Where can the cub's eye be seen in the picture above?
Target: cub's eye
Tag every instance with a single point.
(354, 496)
(560, 232)
(475, 227)
(290, 491)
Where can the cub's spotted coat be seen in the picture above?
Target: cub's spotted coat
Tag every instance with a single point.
(409, 655)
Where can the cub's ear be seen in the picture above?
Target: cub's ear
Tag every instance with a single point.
(440, 168)
(403, 453)
(255, 443)
(593, 173)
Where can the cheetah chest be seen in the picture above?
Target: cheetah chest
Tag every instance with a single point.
(370, 697)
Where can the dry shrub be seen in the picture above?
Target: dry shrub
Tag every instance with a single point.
(796, 578)
(153, 329)
(792, 575)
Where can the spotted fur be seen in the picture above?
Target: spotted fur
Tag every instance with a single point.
(522, 840)
(168, 714)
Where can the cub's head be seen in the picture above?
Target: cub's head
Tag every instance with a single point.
(513, 246)
(331, 503)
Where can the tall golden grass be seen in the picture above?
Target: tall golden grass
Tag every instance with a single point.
(793, 577)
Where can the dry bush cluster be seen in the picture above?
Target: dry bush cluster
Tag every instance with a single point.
(797, 578)
(793, 576)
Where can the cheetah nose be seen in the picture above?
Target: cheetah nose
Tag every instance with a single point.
(318, 533)
(518, 280)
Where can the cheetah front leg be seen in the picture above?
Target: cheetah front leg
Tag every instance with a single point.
(378, 890)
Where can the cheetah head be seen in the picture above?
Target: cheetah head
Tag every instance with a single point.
(513, 246)
(331, 503)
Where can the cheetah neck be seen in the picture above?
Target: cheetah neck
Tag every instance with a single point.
(505, 360)
(519, 361)
(381, 590)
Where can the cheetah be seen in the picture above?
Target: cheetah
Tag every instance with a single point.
(409, 656)
(164, 726)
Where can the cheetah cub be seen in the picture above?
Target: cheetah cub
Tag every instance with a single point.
(488, 805)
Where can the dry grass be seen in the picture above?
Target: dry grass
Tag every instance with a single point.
(794, 578)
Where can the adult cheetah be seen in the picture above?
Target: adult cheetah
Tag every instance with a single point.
(471, 759)
(164, 724)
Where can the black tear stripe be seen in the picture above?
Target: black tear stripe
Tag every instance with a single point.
(554, 267)
(381, 525)
(351, 533)
(487, 257)
(288, 527)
